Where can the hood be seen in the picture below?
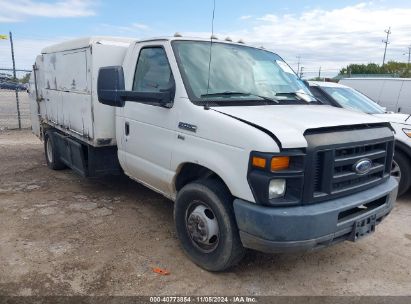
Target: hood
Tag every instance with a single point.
(395, 117)
(289, 122)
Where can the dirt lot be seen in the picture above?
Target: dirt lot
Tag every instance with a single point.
(62, 235)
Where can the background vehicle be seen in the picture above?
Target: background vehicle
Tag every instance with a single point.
(232, 136)
(8, 85)
(392, 93)
(345, 97)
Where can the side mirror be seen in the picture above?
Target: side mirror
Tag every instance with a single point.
(111, 90)
(163, 98)
(110, 86)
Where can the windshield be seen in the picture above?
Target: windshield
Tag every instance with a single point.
(236, 73)
(349, 98)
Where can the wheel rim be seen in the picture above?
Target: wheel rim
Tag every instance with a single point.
(202, 226)
(396, 171)
(49, 151)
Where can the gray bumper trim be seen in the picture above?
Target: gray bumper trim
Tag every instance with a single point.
(281, 229)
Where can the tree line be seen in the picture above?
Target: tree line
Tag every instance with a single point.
(398, 69)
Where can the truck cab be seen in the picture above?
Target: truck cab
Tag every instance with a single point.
(232, 136)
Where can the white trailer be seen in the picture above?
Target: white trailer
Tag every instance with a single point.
(66, 81)
(392, 93)
(226, 131)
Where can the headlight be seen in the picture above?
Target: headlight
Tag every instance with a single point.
(277, 179)
(276, 188)
(407, 132)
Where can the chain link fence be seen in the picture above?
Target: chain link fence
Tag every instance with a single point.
(14, 100)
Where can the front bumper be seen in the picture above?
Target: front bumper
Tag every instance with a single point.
(283, 229)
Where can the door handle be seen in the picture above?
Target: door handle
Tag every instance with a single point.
(127, 129)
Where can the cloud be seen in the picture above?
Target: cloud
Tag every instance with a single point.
(25, 51)
(246, 17)
(18, 10)
(140, 26)
(7, 19)
(329, 39)
(131, 28)
(333, 38)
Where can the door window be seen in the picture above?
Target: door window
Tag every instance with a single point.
(153, 73)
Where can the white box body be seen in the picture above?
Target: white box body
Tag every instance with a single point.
(66, 80)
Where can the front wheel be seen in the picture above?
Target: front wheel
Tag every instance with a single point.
(206, 227)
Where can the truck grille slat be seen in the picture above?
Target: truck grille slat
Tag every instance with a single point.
(352, 159)
(334, 168)
(352, 175)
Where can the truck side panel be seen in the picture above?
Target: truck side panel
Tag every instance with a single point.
(66, 82)
(104, 116)
(64, 85)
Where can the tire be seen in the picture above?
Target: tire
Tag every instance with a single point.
(210, 201)
(52, 156)
(404, 174)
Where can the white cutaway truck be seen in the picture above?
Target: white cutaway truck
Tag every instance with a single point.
(226, 131)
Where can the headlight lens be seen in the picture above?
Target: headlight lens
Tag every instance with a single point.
(276, 188)
(407, 132)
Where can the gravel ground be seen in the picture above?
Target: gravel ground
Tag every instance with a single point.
(61, 234)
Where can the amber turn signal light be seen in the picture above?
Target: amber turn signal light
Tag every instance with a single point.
(280, 163)
(259, 162)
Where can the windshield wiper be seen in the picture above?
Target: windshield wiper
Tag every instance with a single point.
(230, 93)
(296, 94)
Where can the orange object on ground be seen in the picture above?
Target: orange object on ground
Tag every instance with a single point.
(161, 271)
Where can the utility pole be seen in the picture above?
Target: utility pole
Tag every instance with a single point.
(298, 64)
(301, 72)
(319, 73)
(408, 62)
(386, 42)
(15, 79)
(409, 56)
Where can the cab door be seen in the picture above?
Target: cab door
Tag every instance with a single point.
(149, 130)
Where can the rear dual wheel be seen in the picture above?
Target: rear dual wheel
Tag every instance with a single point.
(50, 150)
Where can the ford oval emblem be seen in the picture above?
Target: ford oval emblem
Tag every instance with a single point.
(363, 166)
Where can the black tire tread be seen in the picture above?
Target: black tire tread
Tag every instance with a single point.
(404, 163)
(57, 164)
(225, 196)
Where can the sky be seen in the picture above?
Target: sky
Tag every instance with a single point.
(326, 34)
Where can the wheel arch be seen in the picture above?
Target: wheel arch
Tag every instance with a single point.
(188, 172)
(403, 148)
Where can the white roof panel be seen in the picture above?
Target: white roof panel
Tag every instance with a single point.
(86, 42)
